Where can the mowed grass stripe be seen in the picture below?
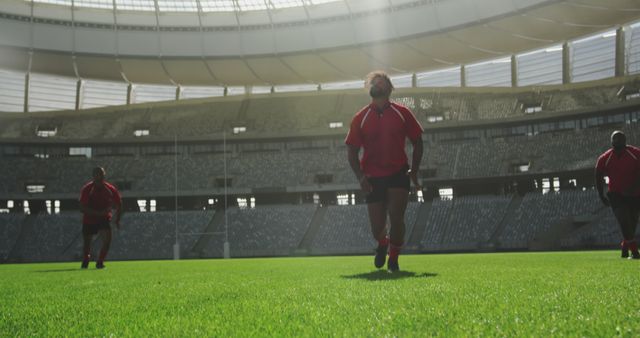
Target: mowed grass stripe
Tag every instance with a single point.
(501, 294)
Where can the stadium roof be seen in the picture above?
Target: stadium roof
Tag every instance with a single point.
(269, 42)
(186, 5)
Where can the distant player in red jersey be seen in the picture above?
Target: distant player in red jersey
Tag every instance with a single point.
(97, 198)
(621, 164)
(381, 129)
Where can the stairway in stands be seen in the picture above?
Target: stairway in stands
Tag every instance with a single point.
(305, 244)
(509, 217)
(417, 232)
(16, 255)
(550, 239)
(215, 226)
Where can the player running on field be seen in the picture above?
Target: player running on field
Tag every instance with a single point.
(97, 198)
(621, 164)
(381, 129)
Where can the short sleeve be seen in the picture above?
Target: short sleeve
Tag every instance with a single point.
(636, 152)
(600, 163)
(413, 127)
(117, 198)
(354, 137)
(84, 195)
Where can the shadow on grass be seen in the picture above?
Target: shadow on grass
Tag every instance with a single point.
(57, 270)
(386, 275)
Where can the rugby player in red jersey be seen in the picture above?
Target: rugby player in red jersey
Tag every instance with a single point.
(97, 198)
(381, 129)
(621, 164)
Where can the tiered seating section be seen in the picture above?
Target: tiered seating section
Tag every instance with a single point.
(346, 229)
(301, 113)
(266, 231)
(538, 213)
(463, 223)
(10, 225)
(152, 235)
(46, 237)
(466, 223)
(58, 237)
(489, 157)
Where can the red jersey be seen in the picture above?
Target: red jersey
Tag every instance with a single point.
(623, 169)
(383, 135)
(98, 197)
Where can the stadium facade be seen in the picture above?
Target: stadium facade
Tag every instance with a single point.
(510, 141)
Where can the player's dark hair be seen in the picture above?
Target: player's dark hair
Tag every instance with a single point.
(378, 74)
(618, 132)
(97, 170)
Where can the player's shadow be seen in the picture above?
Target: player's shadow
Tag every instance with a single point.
(386, 275)
(58, 270)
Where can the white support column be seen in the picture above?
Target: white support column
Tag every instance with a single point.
(620, 56)
(27, 80)
(514, 71)
(176, 251)
(129, 93)
(566, 63)
(79, 94)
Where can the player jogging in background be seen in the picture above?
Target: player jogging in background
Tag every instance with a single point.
(97, 198)
(381, 129)
(621, 164)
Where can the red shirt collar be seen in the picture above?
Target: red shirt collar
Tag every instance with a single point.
(374, 107)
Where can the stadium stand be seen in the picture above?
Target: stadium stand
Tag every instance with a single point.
(10, 225)
(603, 232)
(274, 230)
(539, 212)
(271, 156)
(268, 230)
(298, 113)
(47, 237)
(437, 221)
(57, 237)
(475, 218)
(200, 119)
(468, 222)
(486, 157)
(346, 229)
(152, 235)
(463, 223)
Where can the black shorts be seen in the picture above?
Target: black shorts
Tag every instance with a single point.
(618, 200)
(380, 185)
(92, 229)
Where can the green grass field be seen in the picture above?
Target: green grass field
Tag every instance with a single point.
(518, 294)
